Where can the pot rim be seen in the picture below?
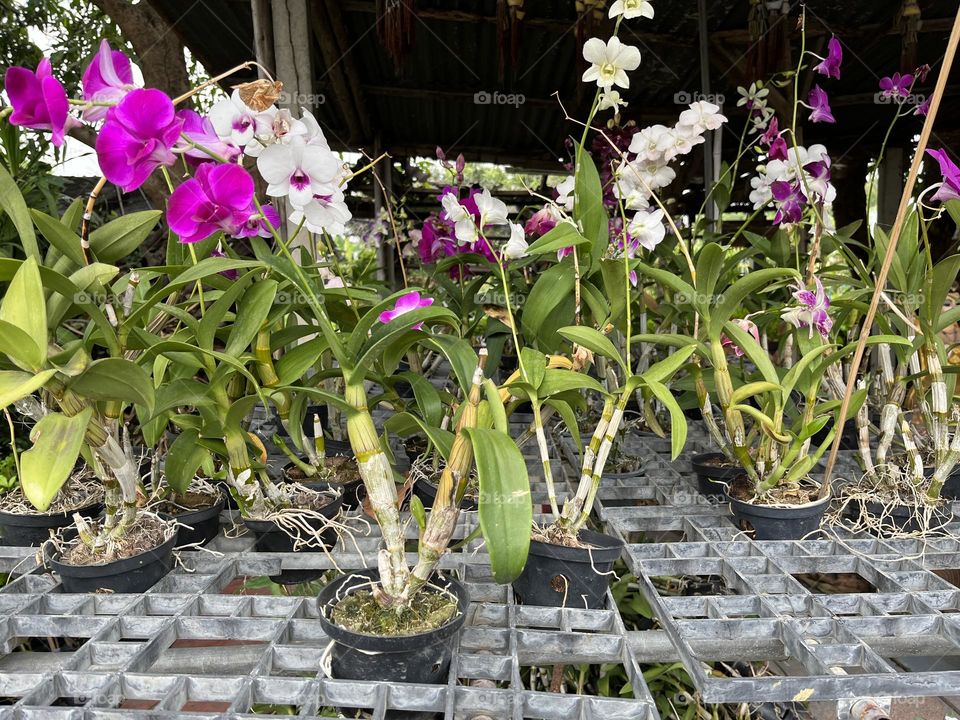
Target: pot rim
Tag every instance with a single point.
(116, 567)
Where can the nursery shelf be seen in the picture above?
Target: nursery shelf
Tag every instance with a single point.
(193, 646)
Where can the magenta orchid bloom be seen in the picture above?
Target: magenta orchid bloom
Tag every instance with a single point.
(39, 101)
(923, 108)
(199, 131)
(218, 252)
(831, 64)
(896, 85)
(406, 303)
(259, 224)
(812, 311)
(542, 221)
(137, 137)
(564, 251)
(819, 105)
(950, 187)
(772, 138)
(218, 197)
(790, 201)
(108, 78)
(746, 325)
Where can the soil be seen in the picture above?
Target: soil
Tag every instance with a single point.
(305, 499)
(623, 464)
(74, 495)
(742, 489)
(146, 533)
(187, 503)
(359, 612)
(340, 470)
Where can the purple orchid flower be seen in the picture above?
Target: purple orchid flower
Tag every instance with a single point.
(218, 252)
(923, 108)
(108, 78)
(950, 187)
(896, 85)
(258, 225)
(831, 64)
(746, 325)
(819, 178)
(564, 251)
(39, 101)
(199, 131)
(218, 197)
(542, 221)
(819, 105)
(406, 303)
(772, 138)
(137, 137)
(812, 310)
(790, 202)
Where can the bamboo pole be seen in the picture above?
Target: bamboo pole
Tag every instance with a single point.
(892, 246)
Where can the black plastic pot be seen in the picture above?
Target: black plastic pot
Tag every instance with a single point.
(350, 497)
(136, 574)
(422, 658)
(779, 523)
(427, 492)
(33, 530)
(271, 538)
(712, 480)
(204, 524)
(559, 576)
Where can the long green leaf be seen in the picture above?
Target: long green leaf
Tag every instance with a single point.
(562, 235)
(23, 306)
(116, 379)
(120, 237)
(12, 203)
(506, 511)
(594, 341)
(15, 384)
(184, 458)
(47, 465)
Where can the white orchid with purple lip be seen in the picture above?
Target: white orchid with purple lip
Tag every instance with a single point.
(406, 303)
(236, 123)
(812, 310)
(299, 171)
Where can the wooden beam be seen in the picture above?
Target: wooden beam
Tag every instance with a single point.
(345, 47)
(559, 25)
(263, 35)
(334, 70)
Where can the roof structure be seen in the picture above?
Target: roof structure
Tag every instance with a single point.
(492, 78)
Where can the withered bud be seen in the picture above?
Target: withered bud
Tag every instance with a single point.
(441, 155)
(461, 163)
(582, 357)
(259, 94)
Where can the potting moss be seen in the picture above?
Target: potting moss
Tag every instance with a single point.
(359, 612)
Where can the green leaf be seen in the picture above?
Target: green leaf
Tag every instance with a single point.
(752, 349)
(184, 458)
(295, 362)
(59, 236)
(754, 388)
(15, 384)
(19, 347)
(556, 381)
(405, 424)
(505, 509)
(593, 340)
(668, 279)
(733, 297)
(384, 336)
(46, 466)
(664, 370)
(534, 365)
(252, 312)
(549, 307)
(709, 267)
(115, 379)
(498, 413)
(678, 421)
(24, 307)
(562, 235)
(588, 208)
(427, 397)
(120, 237)
(12, 203)
(569, 419)
(463, 359)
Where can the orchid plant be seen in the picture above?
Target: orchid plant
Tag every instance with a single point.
(231, 343)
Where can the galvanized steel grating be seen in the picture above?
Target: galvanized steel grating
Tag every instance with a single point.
(162, 654)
